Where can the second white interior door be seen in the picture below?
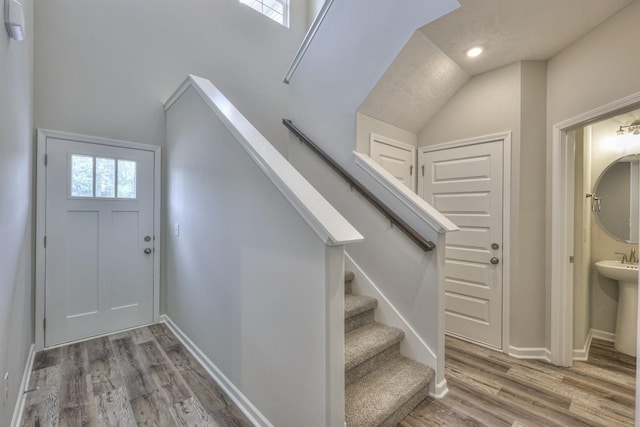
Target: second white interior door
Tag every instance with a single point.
(395, 157)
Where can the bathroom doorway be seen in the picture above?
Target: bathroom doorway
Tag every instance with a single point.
(585, 151)
(605, 233)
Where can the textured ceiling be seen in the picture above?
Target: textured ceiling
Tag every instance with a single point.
(515, 30)
(429, 70)
(416, 85)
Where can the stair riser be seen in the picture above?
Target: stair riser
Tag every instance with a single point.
(358, 320)
(348, 287)
(400, 414)
(372, 363)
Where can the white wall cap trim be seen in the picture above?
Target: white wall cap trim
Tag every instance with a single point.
(308, 38)
(427, 213)
(332, 228)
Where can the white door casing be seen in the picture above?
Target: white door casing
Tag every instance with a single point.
(559, 246)
(93, 276)
(397, 158)
(466, 182)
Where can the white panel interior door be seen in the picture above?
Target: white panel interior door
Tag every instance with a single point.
(465, 184)
(99, 239)
(395, 157)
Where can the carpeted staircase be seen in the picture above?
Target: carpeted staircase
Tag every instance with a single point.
(382, 386)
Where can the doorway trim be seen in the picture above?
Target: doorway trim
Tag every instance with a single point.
(42, 136)
(559, 242)
(505, 137)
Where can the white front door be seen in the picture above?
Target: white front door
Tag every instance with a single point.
(466, 184)
(395, 157)
(99, 227)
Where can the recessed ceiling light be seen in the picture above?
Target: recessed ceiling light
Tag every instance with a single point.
(474, 51)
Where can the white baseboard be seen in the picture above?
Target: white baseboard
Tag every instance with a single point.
(602, 335)
(254, 415)
(582, 354)
(441, 390)
(19, 408)
(539, 353)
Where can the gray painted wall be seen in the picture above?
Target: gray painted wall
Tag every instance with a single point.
(323, 104)
(248, 280)
(106, 68)
(592, 72)
(366, 125)
(16, 207)
(604, 291)
(511, 98)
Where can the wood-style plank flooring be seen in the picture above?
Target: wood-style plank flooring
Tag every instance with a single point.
(488, 388)
(143, 377)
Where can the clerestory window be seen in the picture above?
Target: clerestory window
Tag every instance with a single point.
(278, 10)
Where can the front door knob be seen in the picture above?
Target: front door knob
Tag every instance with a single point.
(147, 251)
(494, 260)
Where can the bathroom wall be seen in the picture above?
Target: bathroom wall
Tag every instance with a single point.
(511, 98)
(607, 147)
(366, 125)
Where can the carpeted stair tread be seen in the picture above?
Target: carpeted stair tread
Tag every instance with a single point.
(374, 399)
(356, 304)
(367, 341)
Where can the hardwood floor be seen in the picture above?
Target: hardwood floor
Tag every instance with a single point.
(488, 388)
(143, 377)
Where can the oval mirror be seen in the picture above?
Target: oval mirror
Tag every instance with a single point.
(616, 198)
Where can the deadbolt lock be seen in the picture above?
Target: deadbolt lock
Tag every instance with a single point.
(495, 246)
(147, 238)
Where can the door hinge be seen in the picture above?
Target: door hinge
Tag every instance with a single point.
(44, 323)
(46, 159)
(422, 167)
(45, 241)
(411, 170)
(571, 259)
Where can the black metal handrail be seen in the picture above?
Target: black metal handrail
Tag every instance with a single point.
(395, 220)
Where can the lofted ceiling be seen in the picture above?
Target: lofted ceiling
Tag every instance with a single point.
(429, 70)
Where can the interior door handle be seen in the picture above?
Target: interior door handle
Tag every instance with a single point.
(494, 260)
(147, 251)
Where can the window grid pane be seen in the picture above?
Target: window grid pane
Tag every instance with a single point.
(101, 177)
(105, 177)
(126, 179)
(81, 176)
(274, 9)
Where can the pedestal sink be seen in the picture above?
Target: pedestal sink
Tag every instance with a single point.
(627, 318)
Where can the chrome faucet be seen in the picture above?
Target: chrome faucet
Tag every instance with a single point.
(633, 257)
(624, 257)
